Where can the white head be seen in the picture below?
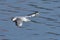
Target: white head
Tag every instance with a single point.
(14, 19)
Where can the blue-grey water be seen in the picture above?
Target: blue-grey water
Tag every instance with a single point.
(46, 26)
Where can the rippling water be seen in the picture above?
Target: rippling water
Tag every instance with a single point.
(44, 27)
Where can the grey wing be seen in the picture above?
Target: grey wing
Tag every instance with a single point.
(19, 22)
(33, 14)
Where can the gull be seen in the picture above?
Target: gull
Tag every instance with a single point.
(20, 19)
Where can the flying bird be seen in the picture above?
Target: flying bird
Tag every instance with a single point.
(20, 19)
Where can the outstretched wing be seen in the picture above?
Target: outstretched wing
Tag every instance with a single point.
(18, 22)
(33, 14)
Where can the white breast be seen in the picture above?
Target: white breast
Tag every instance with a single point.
(25, 19)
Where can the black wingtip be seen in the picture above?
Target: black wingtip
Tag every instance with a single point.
(36, 11)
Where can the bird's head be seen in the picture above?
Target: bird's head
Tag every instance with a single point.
(14, 19)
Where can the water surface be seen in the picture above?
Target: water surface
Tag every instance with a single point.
(44, 27)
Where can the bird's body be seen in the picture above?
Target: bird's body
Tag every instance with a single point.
(20, 19)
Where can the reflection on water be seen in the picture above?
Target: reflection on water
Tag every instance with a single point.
(2, 35)
(50, 0)
(36, 6)
(58, 7)
(35, 21)
(29, 29)
(53, 33)
(3, 0)
(45, 12)
(48, 19)
(53, 39)
(21, 1)
(35, 34)
(5, 39)
(8, 10)
(3, 20)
